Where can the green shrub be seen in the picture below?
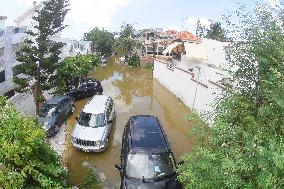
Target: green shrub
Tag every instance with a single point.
(71, 69)
(26, 161)
(134, 60)
(90, 181)
(245, 148)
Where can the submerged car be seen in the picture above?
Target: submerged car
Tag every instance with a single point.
(86, 88)
(91, 133)
(54, 112)
(147, 161)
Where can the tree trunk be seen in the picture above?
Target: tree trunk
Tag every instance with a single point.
(37, 94)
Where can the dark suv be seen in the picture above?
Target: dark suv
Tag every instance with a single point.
(146, 157)
(86, 88)
(54, 112)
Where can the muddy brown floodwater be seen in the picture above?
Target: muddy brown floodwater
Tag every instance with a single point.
(134, 92)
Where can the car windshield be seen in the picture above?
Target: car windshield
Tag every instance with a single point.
(150, 166)
(91, 120)
(48, 110)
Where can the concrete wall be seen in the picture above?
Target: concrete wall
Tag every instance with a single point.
(8, 60)
(194, 93)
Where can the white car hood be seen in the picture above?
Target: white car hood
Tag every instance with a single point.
(88, 133)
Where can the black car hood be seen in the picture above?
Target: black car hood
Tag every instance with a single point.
(168, 183)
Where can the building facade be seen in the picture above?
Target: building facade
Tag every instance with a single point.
(12, 38)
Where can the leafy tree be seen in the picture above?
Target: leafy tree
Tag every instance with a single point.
(216, 32)
(71, 69)
(102, 39)
(126, 43)
(245, 148)
(26, 161)
(40, 54)
(199, 29)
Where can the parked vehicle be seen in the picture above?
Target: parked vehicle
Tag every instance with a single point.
(86, 88)
(54, 112)
(146, 157)
(91, 133)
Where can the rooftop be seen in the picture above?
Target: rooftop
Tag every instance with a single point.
(147, 133)
(97, 105)
(183, 35)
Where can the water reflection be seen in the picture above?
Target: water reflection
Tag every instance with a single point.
(134, 92)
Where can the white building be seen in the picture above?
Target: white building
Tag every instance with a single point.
(11, 39)
(200, 76)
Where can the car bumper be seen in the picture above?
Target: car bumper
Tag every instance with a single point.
(50, 132)
(90, 148)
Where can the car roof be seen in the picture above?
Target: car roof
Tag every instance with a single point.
(147, 134)
(56, 99)
(96, 105)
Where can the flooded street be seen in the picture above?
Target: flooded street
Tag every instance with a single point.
(134, 92)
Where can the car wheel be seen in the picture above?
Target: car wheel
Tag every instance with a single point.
(73, 109)
(56, 128)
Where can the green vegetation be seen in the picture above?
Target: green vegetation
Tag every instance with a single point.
(126, 44)
(102, 40)
(71, 69)
(90, 181)
(39, 54)
(244, 149)
(199, 29)
(26, 161)
(216, 32)
(134, 60)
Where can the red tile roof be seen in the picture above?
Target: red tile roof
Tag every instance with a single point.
(183, 35)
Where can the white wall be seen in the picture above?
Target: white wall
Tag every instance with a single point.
(182, 85)
(215, 51)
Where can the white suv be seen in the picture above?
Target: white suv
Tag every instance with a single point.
(91, 133)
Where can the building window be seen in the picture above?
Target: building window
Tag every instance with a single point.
(1, 51)
(81, 47)
(2, 76)
(1, 32)
(9, 94)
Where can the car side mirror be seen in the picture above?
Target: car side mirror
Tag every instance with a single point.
(109, 121)
(118, 167)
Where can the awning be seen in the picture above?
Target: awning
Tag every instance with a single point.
(171, 47)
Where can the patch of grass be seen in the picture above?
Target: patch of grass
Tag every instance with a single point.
(90, 181)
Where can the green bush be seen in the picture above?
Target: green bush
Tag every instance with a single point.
(134, 60)
(26, 161)
(90, 181)
(245, 148)
(71, 69)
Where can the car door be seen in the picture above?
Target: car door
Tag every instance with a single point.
(68, 102)
(111, 109)
(90, 89)
(108, 117)
(60, 112)
(82, 90)
(125, 148)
